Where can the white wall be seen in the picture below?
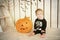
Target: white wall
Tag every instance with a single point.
(47, 12)
(59, 14)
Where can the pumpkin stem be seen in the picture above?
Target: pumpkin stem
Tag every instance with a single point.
(27, 17)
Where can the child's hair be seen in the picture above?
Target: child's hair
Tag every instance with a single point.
(38, 10)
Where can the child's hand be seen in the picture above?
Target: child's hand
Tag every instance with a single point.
(42, 31)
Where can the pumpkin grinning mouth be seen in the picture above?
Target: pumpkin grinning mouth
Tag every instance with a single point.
(22, 29)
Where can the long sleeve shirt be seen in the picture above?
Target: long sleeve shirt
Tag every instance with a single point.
(40, 24)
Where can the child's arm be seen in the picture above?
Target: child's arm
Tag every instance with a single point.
(35, 26)
(44, 26)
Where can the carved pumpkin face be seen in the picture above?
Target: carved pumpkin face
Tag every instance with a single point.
(24, 25)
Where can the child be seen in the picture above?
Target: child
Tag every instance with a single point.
(39, 24)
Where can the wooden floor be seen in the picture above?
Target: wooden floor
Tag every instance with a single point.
(12, 34)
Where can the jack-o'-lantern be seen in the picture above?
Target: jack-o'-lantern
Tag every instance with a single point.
(24, 25)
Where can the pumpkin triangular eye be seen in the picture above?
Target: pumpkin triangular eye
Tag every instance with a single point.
(26, 22)
(22, 25)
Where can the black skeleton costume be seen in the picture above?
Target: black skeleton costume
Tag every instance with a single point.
(40, 24)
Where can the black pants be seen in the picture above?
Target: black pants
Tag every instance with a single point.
(38, 32)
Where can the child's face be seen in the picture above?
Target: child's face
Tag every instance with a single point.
(39, 14)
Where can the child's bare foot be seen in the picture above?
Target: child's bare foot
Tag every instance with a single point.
(43, 36)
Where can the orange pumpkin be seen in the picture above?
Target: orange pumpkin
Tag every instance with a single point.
(24, 25)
